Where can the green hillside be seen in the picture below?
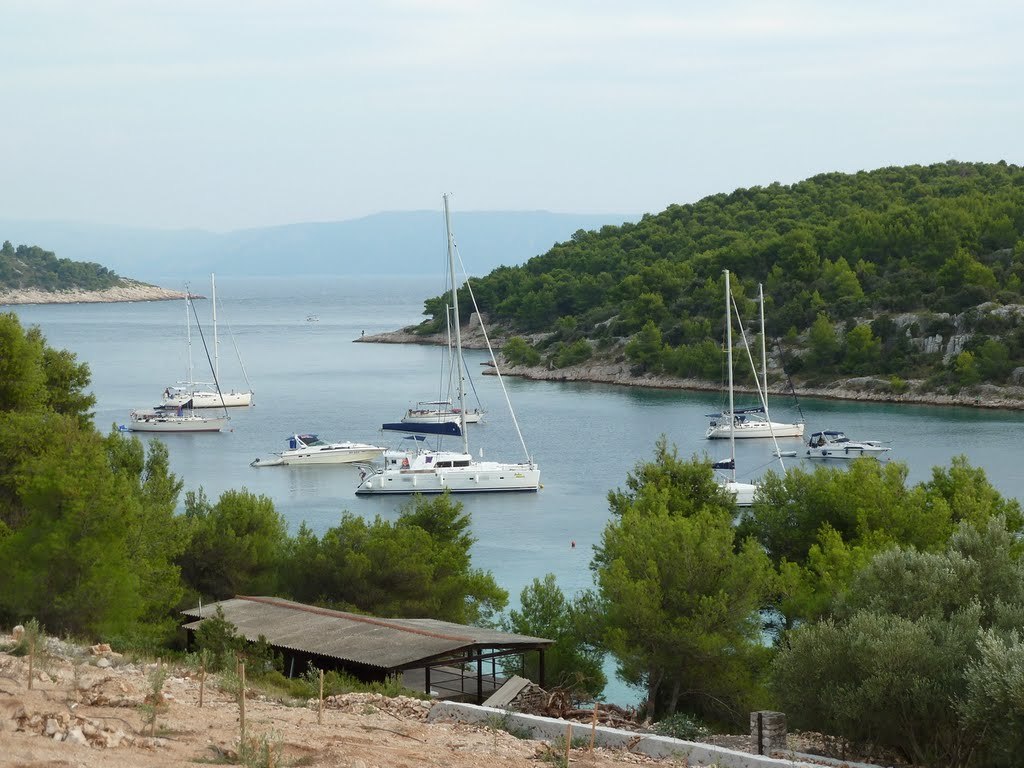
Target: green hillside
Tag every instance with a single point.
(897, 272)
(32, 267)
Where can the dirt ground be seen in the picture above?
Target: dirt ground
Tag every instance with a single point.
(82, 713)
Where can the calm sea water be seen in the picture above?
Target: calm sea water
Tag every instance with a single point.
(311, 377)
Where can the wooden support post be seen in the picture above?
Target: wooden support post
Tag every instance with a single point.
(320, 711)
(568, 743)
(593, 729)
(202, 682)
(31, 660)
(241, 701)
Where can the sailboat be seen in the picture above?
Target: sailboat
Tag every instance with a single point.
(752, 422)
(743, 492)
(174, 419)
(205, 394)
(438, 411)
(435, 471)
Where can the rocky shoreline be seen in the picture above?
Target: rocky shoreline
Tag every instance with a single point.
(610, 372)
(128, 290)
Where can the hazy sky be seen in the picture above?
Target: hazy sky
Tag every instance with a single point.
(224, 114)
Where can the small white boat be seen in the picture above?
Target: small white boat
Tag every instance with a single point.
(310, 449)
(437, 411)
(833, 444)
(181, 419)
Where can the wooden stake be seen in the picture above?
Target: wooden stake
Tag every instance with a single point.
(593, 729)
(241, 700)
(320, 711)
(31, 659)
(202, 682)
(568, 743)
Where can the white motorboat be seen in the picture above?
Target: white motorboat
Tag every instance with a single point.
(743, 492)
(205, 394)
(180, 419)
(310, 449)
(435, 411)
(437, 471)
(744, 423)
(833, 444)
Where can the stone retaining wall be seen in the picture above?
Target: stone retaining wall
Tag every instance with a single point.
(550, 729)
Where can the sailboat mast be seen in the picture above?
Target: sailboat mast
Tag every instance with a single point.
(216, 343)
(728, 346)
(188, 334)
(764, 353)
(458, 328)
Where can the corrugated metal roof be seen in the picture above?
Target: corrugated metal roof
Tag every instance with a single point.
(384, 643)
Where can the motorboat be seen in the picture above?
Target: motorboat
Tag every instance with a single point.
(174, 419)
(433, 411)
(425, 470)
(833, 444)
(206, 394)
(310, 449)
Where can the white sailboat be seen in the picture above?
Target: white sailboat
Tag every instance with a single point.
(743, 492)
(174, 419)
(439, 411)
(436, 471)
(435, 411)
(753, 422)
(205, 394)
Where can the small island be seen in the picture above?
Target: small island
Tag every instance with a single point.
(32, 275)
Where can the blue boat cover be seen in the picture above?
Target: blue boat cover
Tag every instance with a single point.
(448, 428)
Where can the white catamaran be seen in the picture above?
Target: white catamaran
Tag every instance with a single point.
(436, 471)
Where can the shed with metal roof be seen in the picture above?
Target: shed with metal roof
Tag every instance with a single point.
(371, 648)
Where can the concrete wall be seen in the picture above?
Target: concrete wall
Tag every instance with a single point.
(550, 729)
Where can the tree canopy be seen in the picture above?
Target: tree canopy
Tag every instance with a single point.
(856, 252)
(32, 267)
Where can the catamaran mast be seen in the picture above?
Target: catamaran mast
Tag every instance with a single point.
(728, 345)
(458, 329)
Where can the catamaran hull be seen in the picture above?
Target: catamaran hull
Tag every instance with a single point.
(750, 430)
(497, 479)
(744, 493)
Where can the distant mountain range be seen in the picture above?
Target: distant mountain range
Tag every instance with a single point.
(401, 242)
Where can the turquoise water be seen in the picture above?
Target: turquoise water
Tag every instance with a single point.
(311, 377)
